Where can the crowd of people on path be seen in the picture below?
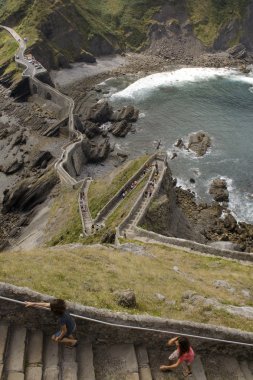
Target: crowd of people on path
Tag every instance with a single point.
(151, 184)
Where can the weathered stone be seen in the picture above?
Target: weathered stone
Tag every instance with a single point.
(160, 297)
(128, 113)
(199, 142)
(125, 298)
(41, 157)
(218, 190)
(230, 222)
(100, 112)
(96, 150)
(121, 128)
(29, 193)
(14, 167)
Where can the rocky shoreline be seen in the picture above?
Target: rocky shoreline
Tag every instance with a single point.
(27, 159)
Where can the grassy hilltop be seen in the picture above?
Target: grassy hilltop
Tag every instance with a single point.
(69, 28)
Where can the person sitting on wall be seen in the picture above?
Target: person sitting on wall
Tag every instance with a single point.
(67, 324)
(183, 354)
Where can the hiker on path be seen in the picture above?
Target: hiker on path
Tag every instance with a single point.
(183, 354)
(67, 324)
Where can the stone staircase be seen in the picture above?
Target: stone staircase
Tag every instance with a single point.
(145, 201)
(31, 355)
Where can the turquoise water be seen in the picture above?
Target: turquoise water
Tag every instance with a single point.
(174, 105)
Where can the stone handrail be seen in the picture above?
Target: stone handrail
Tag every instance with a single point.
(135, 207)
(139, 200)
(191, 245)
(39, 318)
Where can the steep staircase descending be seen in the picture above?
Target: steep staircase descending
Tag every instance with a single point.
(31, 355)
(145, 201)
(86, 218)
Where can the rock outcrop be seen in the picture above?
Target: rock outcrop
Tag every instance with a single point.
(97, 149)
(29, 193)
(218, 190)
(41, 160)
(199, 142)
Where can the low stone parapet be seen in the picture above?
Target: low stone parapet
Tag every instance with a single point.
(43, 319)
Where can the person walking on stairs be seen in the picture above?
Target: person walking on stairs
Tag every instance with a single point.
(66, 334)
(183, 354)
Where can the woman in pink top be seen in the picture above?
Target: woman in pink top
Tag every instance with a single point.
(183, 353)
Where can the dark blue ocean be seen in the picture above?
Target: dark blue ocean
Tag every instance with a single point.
(175, 104)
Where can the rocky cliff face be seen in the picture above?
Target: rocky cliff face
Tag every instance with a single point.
(65, 31)
(170, 219)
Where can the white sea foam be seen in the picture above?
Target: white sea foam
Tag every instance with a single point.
(240, 204)
(142, 87)
(251, 90)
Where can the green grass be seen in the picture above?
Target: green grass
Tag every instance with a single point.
(89, 275)
(209, 16)
(8, 47)
(65, 223)
(102, 190)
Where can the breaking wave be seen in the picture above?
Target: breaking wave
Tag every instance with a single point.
(142, 87)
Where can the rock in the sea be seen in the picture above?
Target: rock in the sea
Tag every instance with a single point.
(29, 193)
(125, 298)
(121, 128)
(41, 160)
(91, 129)
(100, 113)
(199, 142)
(218, 190)
(128, 113)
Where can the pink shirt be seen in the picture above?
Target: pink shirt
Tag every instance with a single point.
(187, 357)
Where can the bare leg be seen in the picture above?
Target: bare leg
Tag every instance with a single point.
(68, 341)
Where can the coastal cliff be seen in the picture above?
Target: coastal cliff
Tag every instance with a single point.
(63, 32)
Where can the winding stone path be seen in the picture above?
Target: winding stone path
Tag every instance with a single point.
(32, 72)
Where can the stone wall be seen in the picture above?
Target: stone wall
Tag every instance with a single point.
(114, 200)
(139, 201)
(43, 319)
(203, 248)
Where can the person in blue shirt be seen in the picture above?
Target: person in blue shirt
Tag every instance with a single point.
(66, 334)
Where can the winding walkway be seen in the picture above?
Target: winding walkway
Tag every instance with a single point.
(32, 72)
(129, 227)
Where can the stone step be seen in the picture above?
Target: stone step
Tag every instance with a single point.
(3, 342)
(50, 360)
(35, 348)
(248, 374)
(219, 367)
(115, 362)
(69, 364)
(157, 357)
(143, 362)
(85, 362)
(198, 369)
(16, 352)
(34, 356)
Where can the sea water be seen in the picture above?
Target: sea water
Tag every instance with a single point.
(177, 103)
